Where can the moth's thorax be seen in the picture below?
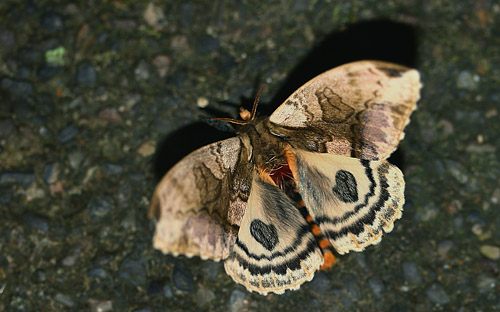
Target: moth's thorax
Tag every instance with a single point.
(264, 149)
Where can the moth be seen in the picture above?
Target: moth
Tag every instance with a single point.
(276, 201)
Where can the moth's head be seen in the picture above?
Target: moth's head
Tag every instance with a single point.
(245, 115)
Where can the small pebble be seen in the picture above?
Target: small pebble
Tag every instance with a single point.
(109, 115)
(40, 275)
(133, 271)
(202, 102)
(485, 284)
(17, 178)
(125, 25)
(377, 287)
(490, 252)
(51, 173)
(446, 126)
(207, 44)
(458, 222)
(67, 133)
(34, 192)
(114, 169)
(361, 260)
(7, 39)
(65, 300)
(457, 170)
(53, 21)
(346, 300)
(100, 306)
(162, 65)
(427, 213)
(70, 260)
(411, 273)
(154, 16)
(47, 72)
(477, 229)
(155, 288)
(187, 14)
(142, 71)
(182, 278)
(5, 197)
(17, 88)
(6, 127)
(99, 208)
(86, 74)
(147, 149)
(237, 301)
(320, 283)
(351, 287)
(97, 272)
(444, 247)
(437, 294)
(204, 296)
(467, 80)
(36, 221)
(167, 291)
(75, 159)
(495, 197)
(129, 100)
(211, 269)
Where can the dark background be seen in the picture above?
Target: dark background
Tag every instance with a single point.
(98, 100)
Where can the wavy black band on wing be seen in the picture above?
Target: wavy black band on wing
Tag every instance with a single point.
(371, 193)
(281, 269)
(297, 242)
(357, 227)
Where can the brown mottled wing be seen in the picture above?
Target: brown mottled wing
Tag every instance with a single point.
(200, 202)
(359, 109)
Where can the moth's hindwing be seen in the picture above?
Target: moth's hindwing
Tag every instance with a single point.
(352, 200)
(275, 249)
(359, 110)
(200, 202)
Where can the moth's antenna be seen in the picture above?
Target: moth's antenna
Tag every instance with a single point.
(255, 104)
(244, 113)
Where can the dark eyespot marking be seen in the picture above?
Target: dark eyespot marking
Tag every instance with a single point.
(265, 234)
(346, 188)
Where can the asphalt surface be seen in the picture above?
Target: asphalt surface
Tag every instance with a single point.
(99, 98)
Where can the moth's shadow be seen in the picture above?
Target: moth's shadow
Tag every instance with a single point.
(179, 143)
(376, 40)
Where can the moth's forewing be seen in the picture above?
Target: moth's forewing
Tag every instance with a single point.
(199, 203)
(359, 109)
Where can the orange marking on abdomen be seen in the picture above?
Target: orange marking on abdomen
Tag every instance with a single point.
(324, 243)
(292, 161)
(315, 230)
(329, 259)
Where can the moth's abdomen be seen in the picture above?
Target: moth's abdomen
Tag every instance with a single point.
(284, 178)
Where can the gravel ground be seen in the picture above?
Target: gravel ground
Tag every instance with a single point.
(99, 98)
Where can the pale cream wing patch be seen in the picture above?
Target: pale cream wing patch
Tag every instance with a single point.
(275, 249)
(359, 109)
(352, 200)
(199, 203)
